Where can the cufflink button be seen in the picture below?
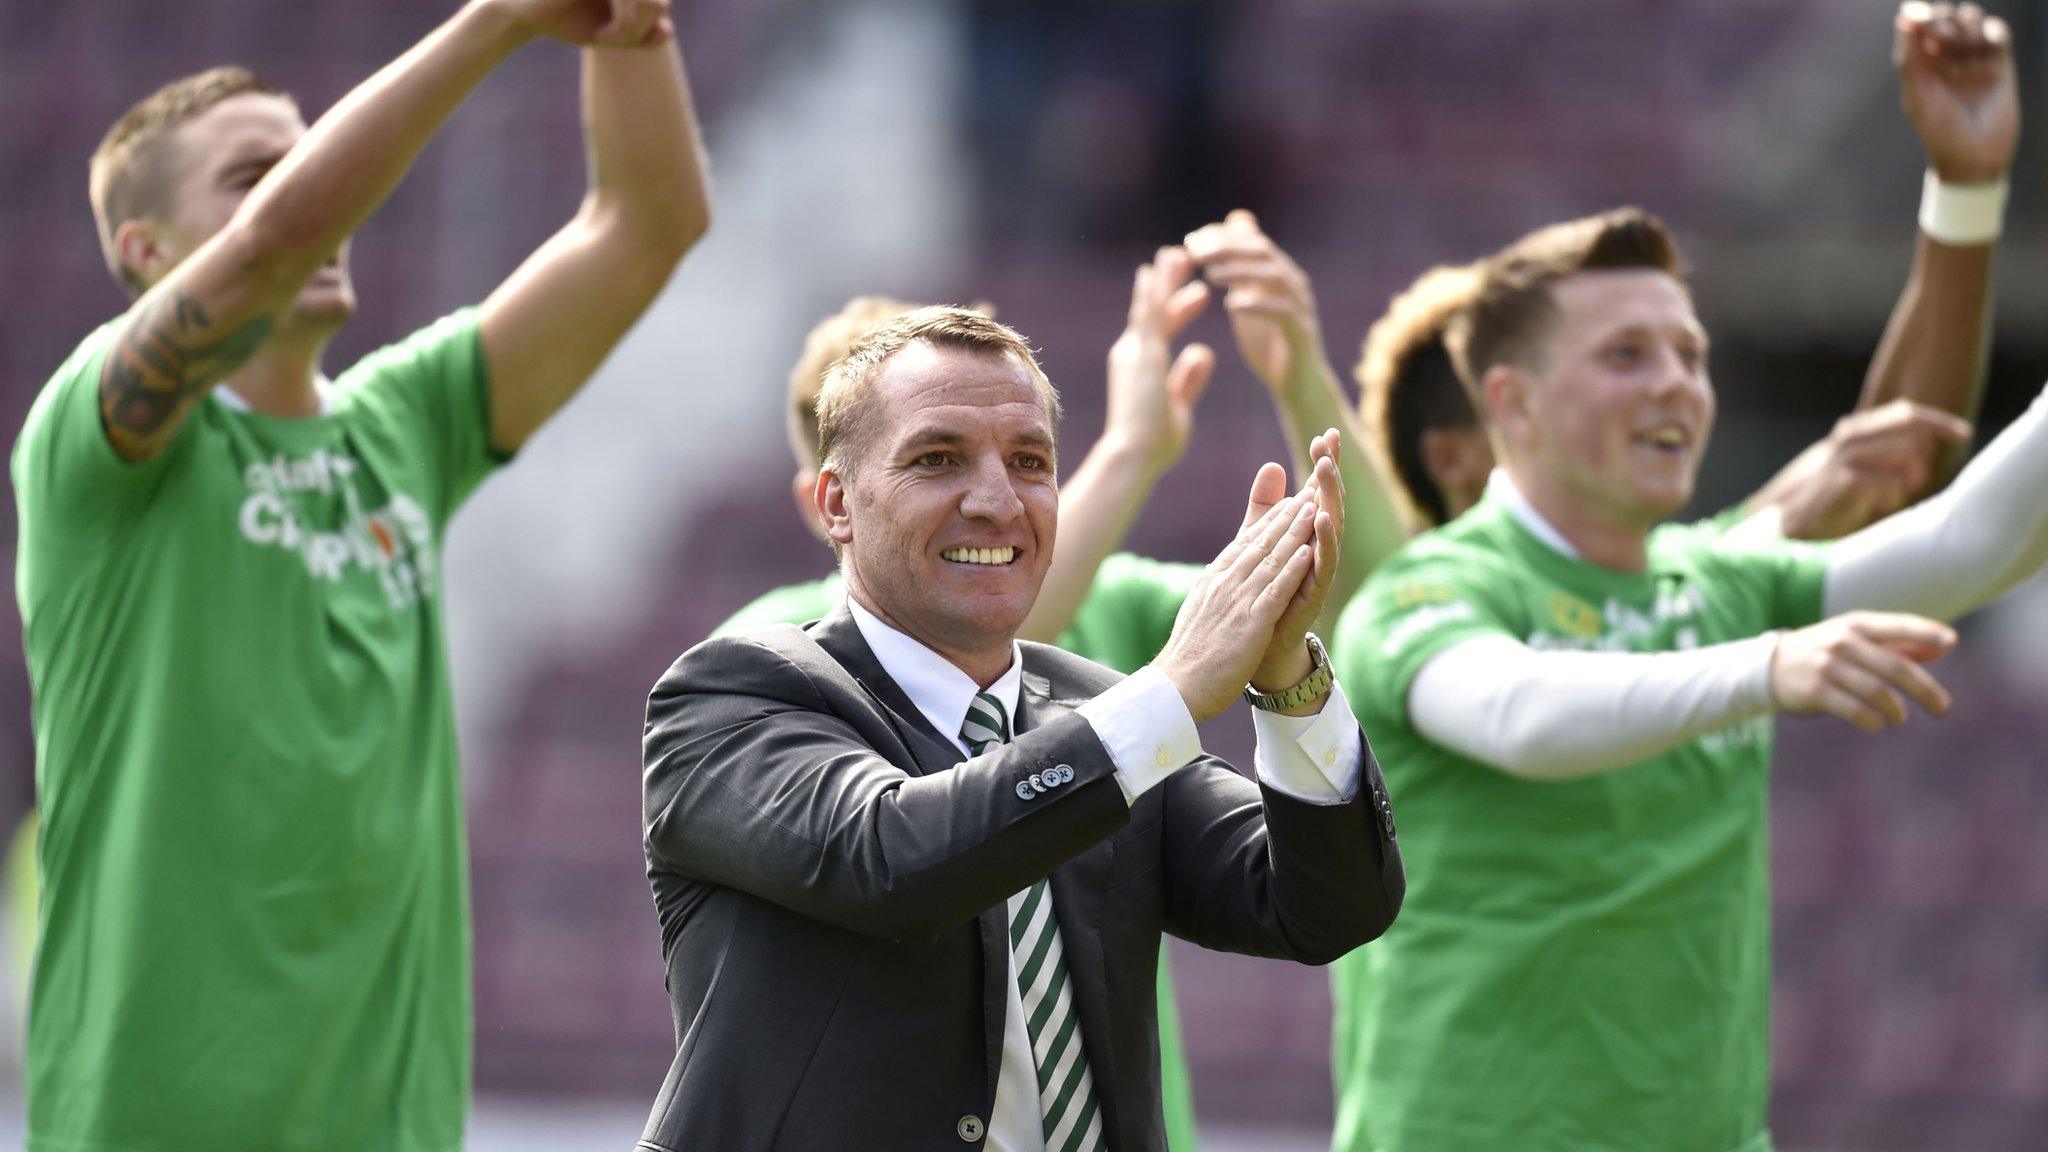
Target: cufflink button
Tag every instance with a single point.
(1330, 756)
(970, 1128)
(1162, 759)
(1024, 791)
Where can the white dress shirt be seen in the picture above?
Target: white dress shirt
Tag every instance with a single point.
(1149, 733)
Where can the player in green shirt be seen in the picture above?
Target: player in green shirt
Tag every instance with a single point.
(1114, 607)
(255, 929)
(1585, 964)
(1919, 395)
(1577, 705)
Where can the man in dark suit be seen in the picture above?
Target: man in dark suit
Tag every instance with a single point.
(911, 872)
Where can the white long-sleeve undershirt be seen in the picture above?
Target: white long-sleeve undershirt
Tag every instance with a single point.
(1959, 549)
(1556, 715)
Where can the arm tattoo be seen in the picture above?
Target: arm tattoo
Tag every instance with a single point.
(166, 357)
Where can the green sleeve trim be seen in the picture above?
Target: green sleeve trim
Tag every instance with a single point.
(66, 473)
(479, 382)
(436, 383)
(1404, 617)
(499, 457)
(1804, 597)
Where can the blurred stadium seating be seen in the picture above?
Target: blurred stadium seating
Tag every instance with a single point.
(1030, 153)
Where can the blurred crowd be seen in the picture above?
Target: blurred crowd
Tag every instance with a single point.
(1031, 154)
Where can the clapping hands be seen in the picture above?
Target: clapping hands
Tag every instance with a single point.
(1246, 619)
(593, 23)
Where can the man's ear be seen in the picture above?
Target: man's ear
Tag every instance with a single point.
(828, 500)
(1506, 388)
(803, 487)
(139, 245)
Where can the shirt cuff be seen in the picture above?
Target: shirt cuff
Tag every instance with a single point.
(1315, 759)
(1147, 728)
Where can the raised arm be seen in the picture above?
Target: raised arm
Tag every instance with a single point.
(1989, 529)
(1960, 549)
(1273, 316)
(1152, 398)
(1957, 86)
(204, 318)
(548, 327)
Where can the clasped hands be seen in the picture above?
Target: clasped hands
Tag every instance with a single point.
(591, 23)
(1247, 618)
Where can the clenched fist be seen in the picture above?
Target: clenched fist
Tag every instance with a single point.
(1956, 83)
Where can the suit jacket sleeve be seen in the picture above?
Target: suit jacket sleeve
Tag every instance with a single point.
(1250, 869)
(754, 781)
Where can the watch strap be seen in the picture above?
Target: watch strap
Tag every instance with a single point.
(1316, 683)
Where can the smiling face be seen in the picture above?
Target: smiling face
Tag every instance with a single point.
(1613, 416)
(218, 156)
(946, 518)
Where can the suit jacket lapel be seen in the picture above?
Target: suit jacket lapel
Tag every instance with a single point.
(840, 637)
(1077, 888)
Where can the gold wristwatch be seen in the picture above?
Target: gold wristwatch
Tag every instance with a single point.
(1317, 682)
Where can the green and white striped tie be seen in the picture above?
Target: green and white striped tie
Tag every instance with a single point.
(1066, 1090)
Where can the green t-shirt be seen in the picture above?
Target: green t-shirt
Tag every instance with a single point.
(1583, 965)
(1123, 622)
(254, 925)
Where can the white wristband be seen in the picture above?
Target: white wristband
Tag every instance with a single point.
(1962, 215)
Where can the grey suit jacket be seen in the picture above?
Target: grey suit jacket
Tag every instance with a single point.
(831, 884)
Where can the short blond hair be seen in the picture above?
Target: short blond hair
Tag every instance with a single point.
(845, 409)
(134, 169)
(1408, 385)
(826, 345)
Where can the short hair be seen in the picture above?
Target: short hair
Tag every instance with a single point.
(826, 345)
(1512, 310)
(1408, 385)
(845, 413)
(134, 168)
